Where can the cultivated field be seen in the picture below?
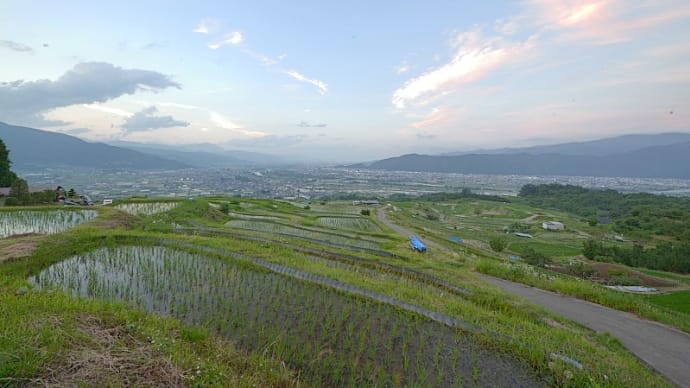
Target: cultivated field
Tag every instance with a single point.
(260, 293)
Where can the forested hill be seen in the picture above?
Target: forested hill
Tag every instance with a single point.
(640, 214)
(35, 149)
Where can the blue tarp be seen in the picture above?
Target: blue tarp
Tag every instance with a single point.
(455, 239)
(417, 244)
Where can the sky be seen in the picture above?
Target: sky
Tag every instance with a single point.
(348, 80)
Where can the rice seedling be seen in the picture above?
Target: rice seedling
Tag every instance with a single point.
(42, 222)
(146, 208)
(276, 315)
(276, 228)
(355, 223)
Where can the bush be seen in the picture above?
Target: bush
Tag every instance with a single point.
(11, 201)
(365, 212)
(498, 244)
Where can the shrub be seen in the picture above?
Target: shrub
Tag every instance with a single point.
(498, 244)
(365, 212)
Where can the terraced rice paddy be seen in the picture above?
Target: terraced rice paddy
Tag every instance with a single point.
(146, 208)
(275, 228)
(333, 338)
(349, 223)
(41, 222)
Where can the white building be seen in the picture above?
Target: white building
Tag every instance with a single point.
(553, 225)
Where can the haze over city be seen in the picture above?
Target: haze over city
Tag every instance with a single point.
(346, 81)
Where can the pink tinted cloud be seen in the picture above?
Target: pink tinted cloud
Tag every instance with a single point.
(604, 21)
(474, 57)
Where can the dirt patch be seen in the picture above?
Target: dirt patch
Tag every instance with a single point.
(108, 355)
(612, 274)
(495, 212)
(117, 220)
(18, 246)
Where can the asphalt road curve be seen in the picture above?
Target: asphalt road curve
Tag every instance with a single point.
(662, 347)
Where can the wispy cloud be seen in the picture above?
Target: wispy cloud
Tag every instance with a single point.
(222, 122)
(320, 85)
(603, 21)
(306, 124)
(474, 56)
(403, 68)
(231, 39)
(437, 116)
(107, 109)
(269, 141)
(207, 26)
(147, 119)
(14, 46)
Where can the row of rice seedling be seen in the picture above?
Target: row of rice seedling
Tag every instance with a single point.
(146, 208)
(332, 338)
(252, 217)
(275, 228)
(41, 222)
(349, 223)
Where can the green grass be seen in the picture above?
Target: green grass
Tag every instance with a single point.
(677, 301)
(509, 325)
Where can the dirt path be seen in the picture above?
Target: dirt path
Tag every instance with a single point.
(664, 348)
(381, 214)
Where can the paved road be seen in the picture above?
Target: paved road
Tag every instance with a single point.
(664, 348)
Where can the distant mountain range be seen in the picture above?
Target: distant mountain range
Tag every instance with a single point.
(657, 156)
(33, 149)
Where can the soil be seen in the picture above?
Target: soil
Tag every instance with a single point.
(603, 273)
(107, 354)
(18, 246)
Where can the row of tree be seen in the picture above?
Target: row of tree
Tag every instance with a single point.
(19, 189)
(673, 257)
(638, 214)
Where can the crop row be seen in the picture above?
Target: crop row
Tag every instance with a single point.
(271, 227)
(332, 338)
(349, 223)
(146, 208)
(42, 222)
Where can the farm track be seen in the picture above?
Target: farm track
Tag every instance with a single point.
(664, 348)
(381, 214)
(327, 282)
(345, 258)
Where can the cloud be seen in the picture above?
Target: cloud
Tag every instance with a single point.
(107, 109)
(76, 131)
(603, 21)
(306, 124)
(86, 83)
(269, 141)
(14, 46)
(403, 68)
(222, 122)
(154, 45)
(207, 26)
(474, 56)
(320, 85)
(145, 120)
(231, 39)
(437, 116)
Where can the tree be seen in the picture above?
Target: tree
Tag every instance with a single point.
(71, 193)
(20, 190)
(498, 244)
(6, 175)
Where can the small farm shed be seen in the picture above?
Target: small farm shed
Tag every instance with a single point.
(553, 225)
